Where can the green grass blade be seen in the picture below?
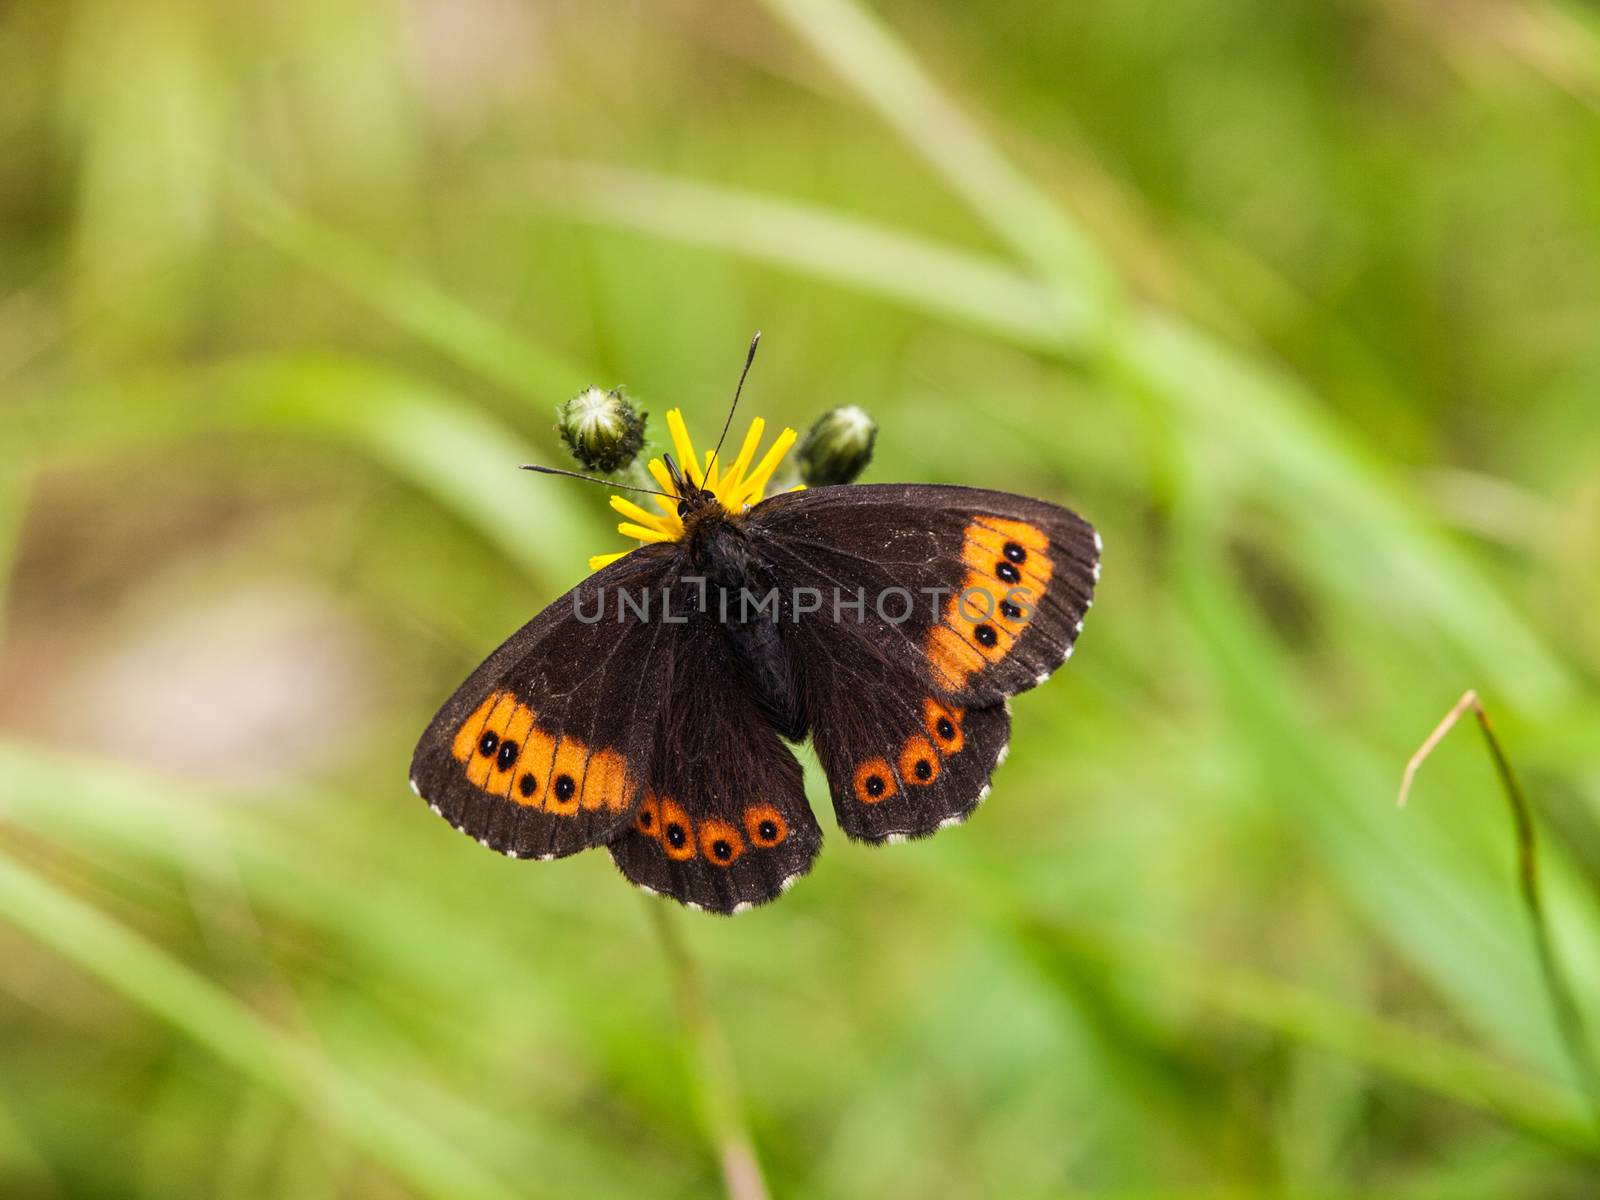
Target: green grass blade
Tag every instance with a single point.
(1563, 1003)
(1414, 888)
(918, 272)
(197, 1008)
(1467, 1077)
(871, 59)
(1294, 456)
(461, 456)
(293, 851)
(16, 487)
(414, 305)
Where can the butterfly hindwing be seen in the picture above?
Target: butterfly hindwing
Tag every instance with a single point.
(542, 752)
(724, 823)
(901, 760)
(983, 592)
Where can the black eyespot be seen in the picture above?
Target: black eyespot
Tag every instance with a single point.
(646, 819)
(923, 769)
(1007, 572)
(721, 849)
(875, 785)
(1015, 552)
(487, 744)
(507, 755)
(565, 787)
(676, 836)
(768, 830)
(527, 784)
(946, 730)
(1010, 611)
(986, 635)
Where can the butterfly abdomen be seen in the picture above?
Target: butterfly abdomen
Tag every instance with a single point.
(764, 663)
(742, 598)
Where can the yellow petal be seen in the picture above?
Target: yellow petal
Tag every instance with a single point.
(735, 475)
(755, 487)
(658, 472)
(731, 485)
(642, 533)
(681, 443)
(632, 511)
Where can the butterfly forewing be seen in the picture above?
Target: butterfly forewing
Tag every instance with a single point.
(543, 751)
(983, 593)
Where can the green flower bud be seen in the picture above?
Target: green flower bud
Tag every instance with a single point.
(838, 447)
(604, 432)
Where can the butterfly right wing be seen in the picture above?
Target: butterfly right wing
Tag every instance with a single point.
(543, 751)
(985, 595)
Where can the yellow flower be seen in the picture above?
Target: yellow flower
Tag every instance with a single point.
(737, 486)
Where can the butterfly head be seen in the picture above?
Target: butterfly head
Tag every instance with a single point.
(697, 485)
(692, 498)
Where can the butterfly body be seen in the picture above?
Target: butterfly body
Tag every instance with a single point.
(648, 709)
(724, 560)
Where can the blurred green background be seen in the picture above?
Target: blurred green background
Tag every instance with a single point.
(1298, 302)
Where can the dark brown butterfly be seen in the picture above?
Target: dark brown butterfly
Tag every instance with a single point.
(647, 709)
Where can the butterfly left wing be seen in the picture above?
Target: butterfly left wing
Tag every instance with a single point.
(542, 751)
(724, 824)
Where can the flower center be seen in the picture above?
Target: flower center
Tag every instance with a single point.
(736, 485)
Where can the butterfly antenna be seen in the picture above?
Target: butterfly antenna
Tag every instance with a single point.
(626, 487)
(748, 359)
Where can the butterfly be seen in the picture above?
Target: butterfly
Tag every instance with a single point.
(649, 710)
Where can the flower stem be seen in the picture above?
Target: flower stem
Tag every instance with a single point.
(712, 1068)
